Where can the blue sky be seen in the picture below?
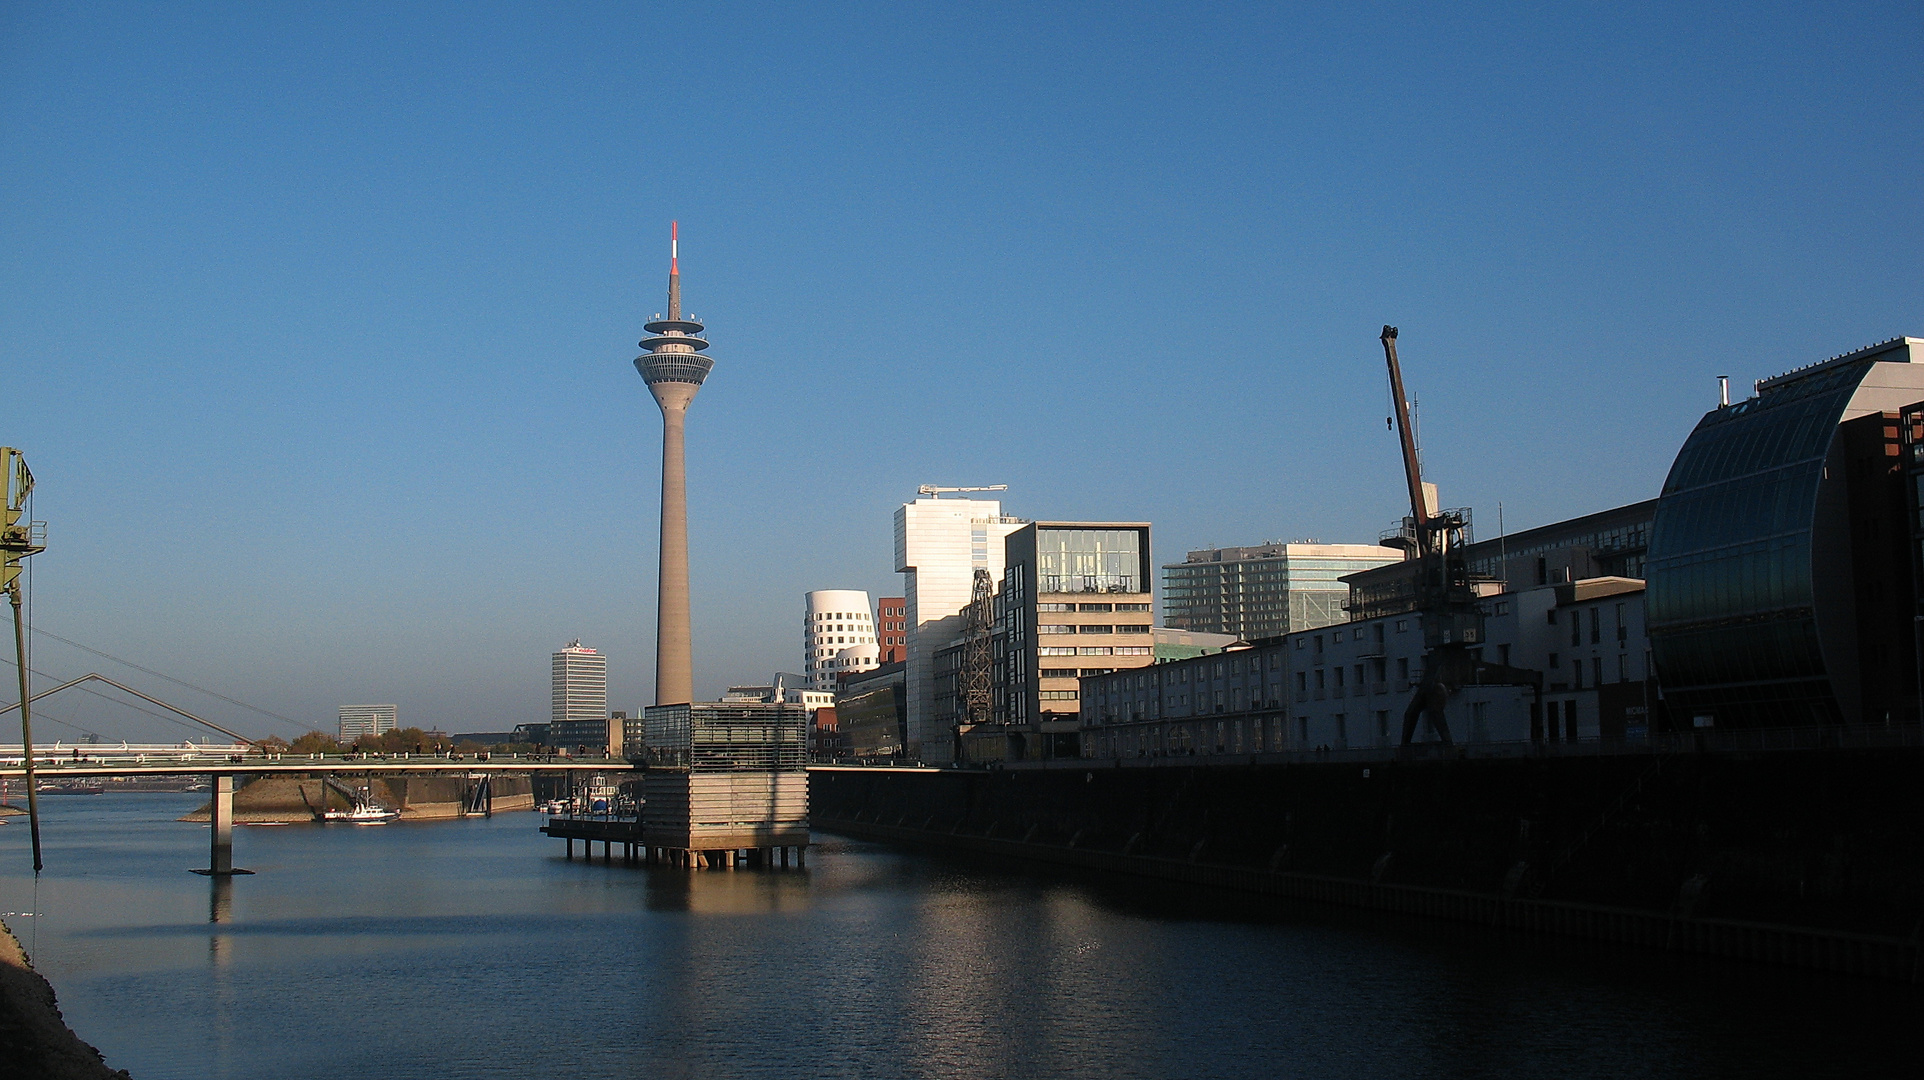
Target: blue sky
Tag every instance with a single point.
(316, 321)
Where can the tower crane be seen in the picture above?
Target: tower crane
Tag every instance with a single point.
(1437, 541)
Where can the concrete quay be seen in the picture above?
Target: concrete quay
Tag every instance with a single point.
(1812, 859)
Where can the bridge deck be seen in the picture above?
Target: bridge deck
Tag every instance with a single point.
(50, 770)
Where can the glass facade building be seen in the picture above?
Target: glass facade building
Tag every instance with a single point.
(1750, 600)
(1262, 592)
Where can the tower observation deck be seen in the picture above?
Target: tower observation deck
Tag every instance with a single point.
(674, 369)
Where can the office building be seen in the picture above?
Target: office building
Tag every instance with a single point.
(1265, 591)
(872, 710)
(1075, 602)
(578, 685)
(939, 545)
(838, 636)
(674, 370)
(1608, 543)
(369, 721)
(891, 630)
(1345, 687)
(1782, 585)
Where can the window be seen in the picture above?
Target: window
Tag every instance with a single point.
(1135, 650)
(1095, 628)
(1359, 674)
(1623, 667)
(1402, 669)
(1576, 628)
(1055, 607)
(1095, 650)
(1302, 682)
(1402, 625)
(1132, 628)
(1596, 629)
(1555, 660)
(1596, 668)
(1320, 685)
(1319, 643)
(1336, 638)
(1132, 607)
(1552, 615)
(1055, 650)
(1502, 607)
(1095, 607)
(1058, 695)
(1503, 654)
(1299, 644)
(1339, 677)
(1055, 628)
(1058, 673)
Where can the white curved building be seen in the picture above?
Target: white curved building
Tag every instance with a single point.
(838, 635)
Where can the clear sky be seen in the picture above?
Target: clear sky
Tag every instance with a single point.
(316, 320)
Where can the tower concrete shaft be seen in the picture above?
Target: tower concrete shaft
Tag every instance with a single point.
(674, 369)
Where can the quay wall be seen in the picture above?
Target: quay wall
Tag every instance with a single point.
(1812, 858)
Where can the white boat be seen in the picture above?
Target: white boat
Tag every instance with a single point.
(364, 814)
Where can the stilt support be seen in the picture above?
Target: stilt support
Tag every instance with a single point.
(220, 861)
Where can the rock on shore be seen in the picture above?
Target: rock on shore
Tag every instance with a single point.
(34, 1040)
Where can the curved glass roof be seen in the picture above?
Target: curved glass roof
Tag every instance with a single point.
(1731, 601)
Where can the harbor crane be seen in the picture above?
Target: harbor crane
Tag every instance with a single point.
(1444, 593)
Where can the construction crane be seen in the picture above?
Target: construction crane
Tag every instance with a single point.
(976, 679)
(938, 492)
(1437, 541)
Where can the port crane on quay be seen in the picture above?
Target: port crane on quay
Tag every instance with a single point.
(1437, 541)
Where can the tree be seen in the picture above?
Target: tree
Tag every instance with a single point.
(314, 742)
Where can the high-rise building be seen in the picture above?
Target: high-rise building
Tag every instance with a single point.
(1075, 602)
(939, 545)
(838, 636)
(1266, 591)
(578, 686)
(891, 629)
(674, 369)
(367, 720)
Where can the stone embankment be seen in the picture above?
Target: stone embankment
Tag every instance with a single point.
(290, 798)
(34, 1040)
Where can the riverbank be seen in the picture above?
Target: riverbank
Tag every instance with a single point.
(267, 799)
(34, 1039)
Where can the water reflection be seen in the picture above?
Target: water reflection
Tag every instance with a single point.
(872, 962)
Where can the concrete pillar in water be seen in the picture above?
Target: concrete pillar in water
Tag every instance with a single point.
(220, 862)
(223, 857)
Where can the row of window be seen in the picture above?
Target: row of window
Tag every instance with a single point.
(1091, 607)
(1096, 650)
(1093, 628)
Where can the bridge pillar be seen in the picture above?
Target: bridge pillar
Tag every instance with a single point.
(220, 862)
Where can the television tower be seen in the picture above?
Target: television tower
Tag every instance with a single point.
(674, 369)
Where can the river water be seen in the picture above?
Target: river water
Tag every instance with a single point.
(473, 949)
